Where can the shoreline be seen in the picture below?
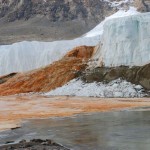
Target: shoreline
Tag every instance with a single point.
(15, 109)
(37, 144)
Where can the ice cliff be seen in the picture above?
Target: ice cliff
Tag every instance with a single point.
(125, 41)
(25, 56)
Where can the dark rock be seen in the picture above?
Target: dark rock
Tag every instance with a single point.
(15, 128)
(6, 77)
(49, 20)
(37, 140)
(23, 141)
(8, 142)
(35, 144)
(136, 75)
(143, 76)
(54, 10)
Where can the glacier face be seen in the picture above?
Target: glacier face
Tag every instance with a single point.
(25, 56)
(125, 41)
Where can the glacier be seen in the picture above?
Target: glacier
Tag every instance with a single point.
(98, 30)
(25, 56)
(125, 41)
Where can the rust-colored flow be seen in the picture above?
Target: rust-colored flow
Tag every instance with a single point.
(13, 109)
(49, 77)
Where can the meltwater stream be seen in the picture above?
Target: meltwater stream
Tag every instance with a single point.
(125, 130)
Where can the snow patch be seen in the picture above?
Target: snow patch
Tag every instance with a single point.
(116, 88)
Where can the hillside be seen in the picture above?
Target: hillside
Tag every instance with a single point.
(49, 20)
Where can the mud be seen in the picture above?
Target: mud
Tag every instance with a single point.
(15, 109)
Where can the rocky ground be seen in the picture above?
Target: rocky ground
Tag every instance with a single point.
(36, 144)
(142, 5)
(136, 75)
(49, 20)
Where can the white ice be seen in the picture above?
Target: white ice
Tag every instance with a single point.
(98, 30)
(25, 56)
(116, 88)
(125, 41)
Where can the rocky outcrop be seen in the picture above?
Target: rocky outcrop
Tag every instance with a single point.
(136, 75)
(49, 20)
(49, 77)
(58, 10)
(142, 5)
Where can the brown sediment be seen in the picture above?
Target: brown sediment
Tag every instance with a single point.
(81, 52)
(49, 77)
(13, 109)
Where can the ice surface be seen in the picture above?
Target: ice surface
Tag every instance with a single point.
(125, 41)
(98, 30)
(24, 56)
(116, 88)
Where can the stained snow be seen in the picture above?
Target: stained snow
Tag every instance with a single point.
(116, 88)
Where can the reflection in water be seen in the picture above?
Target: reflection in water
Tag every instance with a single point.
(127, 130)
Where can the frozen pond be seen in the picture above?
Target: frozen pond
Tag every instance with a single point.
(125, 130)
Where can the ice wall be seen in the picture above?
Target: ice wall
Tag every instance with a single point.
(125, 41)
(26, 56)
